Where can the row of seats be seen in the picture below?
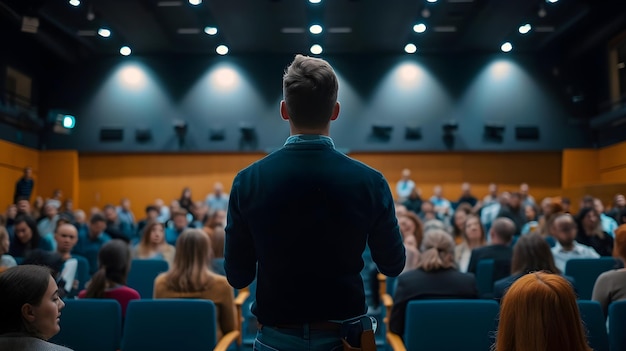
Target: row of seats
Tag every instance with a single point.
(155, 325)
(474, 322)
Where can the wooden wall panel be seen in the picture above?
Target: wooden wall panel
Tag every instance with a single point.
(106, 178)
(580, 167)
(13, 159)
(60, 170)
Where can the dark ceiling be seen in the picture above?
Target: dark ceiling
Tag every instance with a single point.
(281, 26)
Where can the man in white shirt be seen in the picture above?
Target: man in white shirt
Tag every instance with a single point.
(564, 229)
(218, 199)
(405, 186)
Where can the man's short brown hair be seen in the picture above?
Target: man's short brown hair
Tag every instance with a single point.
(310, 91)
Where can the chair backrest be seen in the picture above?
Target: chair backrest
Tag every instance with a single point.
(142, 274)
(617, 326)
(170, 324)
(585, 271)
(90, 325)
(392, 283)
(429, 323)
(595, 323)
(484, 278)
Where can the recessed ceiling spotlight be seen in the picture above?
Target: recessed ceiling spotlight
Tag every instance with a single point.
(316, 49)
(125, 50)
(523, 29)
(315, 29)
(104, 32)
(222, 50)
(315, 1)
(506, 47)
(210, 30)
(419, 28)
(74, 2)
(195, 2)
(410, 48)
(432, 1)
(552, 1)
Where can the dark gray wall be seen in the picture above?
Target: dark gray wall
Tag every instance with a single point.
(227, 92)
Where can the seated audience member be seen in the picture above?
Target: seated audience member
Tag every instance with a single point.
(564, 230)
(67, 210)
(190, 277)
(55, 200)
(180, 221)
(607, 223)
(611, 285)
(164, 211)
(530, 254)
(435, 278)
(550, 211)
(109, 280)
(91, 240)
(30, 309)
(23, 207)
(619, 205)
(153, 245)
(490, 212)
(9, 217)
(532, 220)
(215, 220)
(37, 210)
(48, 222)
(80, 220)
(622, 216)
(492, 196)
(75, 267)
(499, 250)
(414, 202)
(218, 199)
(539, 312)
(411, 230)
(116, 228)
(152, 214)
(473, 238)
(185, 202)
(443, 207)
(590, 232)
(200, 214)
(427, 212)
(467, 197)
(458, 221)
(515, 212)
(526, 198)
(6, 260)
(27, 237)
(125, 214)
(405, 185)
(566, 203)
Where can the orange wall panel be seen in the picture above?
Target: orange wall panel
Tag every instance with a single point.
(612, 164)
(13, 159)
(580, 167)
(60, 170)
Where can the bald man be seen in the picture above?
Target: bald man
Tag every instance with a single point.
(75, 271)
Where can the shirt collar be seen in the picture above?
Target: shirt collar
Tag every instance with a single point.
(576, 250)
(311, 139)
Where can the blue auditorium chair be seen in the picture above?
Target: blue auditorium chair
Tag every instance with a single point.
(595, 323)
(429, 324)
(585, 271)
(173, 324)
(484, 278)
(142, 274)
(90, 325)
(617, 326)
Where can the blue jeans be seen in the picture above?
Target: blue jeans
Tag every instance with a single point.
(280, 339)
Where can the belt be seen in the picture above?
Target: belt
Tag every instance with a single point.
(328, 326)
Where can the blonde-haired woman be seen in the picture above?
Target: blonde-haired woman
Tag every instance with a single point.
(436, 277)
(539, 313)
(473, 238)
(190, 277)
(153, 244)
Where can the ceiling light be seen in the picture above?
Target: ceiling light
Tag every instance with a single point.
(74, 2)
(315, 1)
(195, 2)
(104, 32)
(525, 28)
(425, 13)
(410, 48)
(506, 47)
(222, 50)
(551, 1)
(125, 50)
(432, 1)
(315, 29)
(419, 28)
(210, 30)
(316, 49)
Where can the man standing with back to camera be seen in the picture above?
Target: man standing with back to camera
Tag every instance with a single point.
(304, 214)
